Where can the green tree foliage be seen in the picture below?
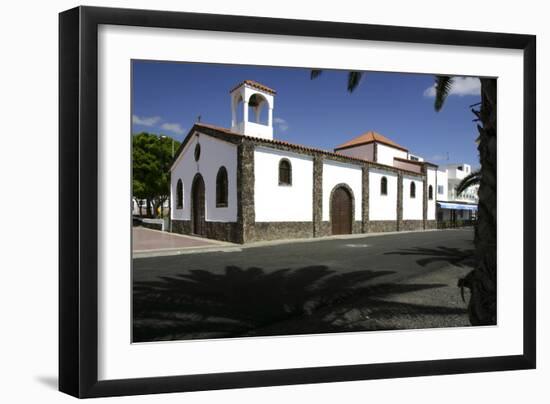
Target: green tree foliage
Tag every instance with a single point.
(151, 159)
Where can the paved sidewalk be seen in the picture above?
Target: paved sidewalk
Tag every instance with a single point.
(148, 242)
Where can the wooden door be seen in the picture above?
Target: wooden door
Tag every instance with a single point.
(197, 208)
(341, 211)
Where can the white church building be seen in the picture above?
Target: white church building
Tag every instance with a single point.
(239, 184)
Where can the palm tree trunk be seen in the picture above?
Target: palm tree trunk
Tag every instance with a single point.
(482, 280)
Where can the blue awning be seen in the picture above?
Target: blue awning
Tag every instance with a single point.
(457, 206)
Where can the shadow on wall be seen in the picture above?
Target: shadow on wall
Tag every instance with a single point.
(252, 302)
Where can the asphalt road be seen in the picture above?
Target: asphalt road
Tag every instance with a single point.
(402, 254)
(302, 287)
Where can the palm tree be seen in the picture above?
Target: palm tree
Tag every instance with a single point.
(482, 279)
(471, 179)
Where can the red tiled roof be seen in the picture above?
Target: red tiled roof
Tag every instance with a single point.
(370, 137)
(283, 143)
(255, 84)
(420, 163)
(272, 141)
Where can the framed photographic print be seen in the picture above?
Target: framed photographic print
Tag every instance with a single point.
(251, 201)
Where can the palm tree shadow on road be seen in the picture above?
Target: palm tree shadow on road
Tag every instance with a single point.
(454, 256)
(245, 302)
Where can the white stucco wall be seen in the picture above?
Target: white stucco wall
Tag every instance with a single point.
(385, 154)
(412, 207)
(431, 177)
(442, 180)
(335, 173)
(365, 152)
(214, 154)
(282, 203)
(382, 207)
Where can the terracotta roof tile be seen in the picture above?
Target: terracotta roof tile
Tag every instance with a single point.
(284, 143)
(255, 84)
(370, 137)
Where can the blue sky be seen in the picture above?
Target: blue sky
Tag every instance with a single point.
(168, 97)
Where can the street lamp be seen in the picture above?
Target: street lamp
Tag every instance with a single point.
(169, 199)
(164, 137)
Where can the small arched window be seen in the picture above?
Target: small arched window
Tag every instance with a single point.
(179, 195)
(221, 188)
(197, 152)
(430, 192)
(285, 172)
(413, 189)
(384, 186)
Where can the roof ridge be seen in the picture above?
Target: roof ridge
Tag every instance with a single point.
(255, 84)
(301, 147)
(369, 137)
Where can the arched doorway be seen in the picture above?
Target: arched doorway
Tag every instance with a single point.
(198, 226)
(341, 210)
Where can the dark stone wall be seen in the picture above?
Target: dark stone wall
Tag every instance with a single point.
(407, 225)
(264, 231)
(365, 201)
(381, 226)
(424, 196)
(181, 226)
(317, 194)
(325, 229)
(245, 190)
(399, 201)
(154, 226)
(431, 224)
(215, 230)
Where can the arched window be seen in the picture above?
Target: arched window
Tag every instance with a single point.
(197, 152)
(285, 172)
(179, 195)
(430, 192)
(221, 188)
(413, 189)
(384, 186)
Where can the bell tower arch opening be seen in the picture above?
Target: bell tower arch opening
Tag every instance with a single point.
(252, 109)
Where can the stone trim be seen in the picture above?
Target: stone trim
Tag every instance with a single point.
(365, 200)
(245, 189)
(425, 196)
(381, 226)
(223, 231)
(317, 194)
(431, 224)
(266, 231)
(407, 225)
(375, 152)
(399, 201)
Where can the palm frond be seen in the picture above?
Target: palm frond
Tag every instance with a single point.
(473, 178)
(443, 85)
(354, 78)
(315, 73)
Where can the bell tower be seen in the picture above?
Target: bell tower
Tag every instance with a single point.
(252, 109)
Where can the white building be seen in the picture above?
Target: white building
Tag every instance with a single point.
(241, 184)
(451, 207)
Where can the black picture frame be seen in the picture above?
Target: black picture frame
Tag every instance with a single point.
(78, 193)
